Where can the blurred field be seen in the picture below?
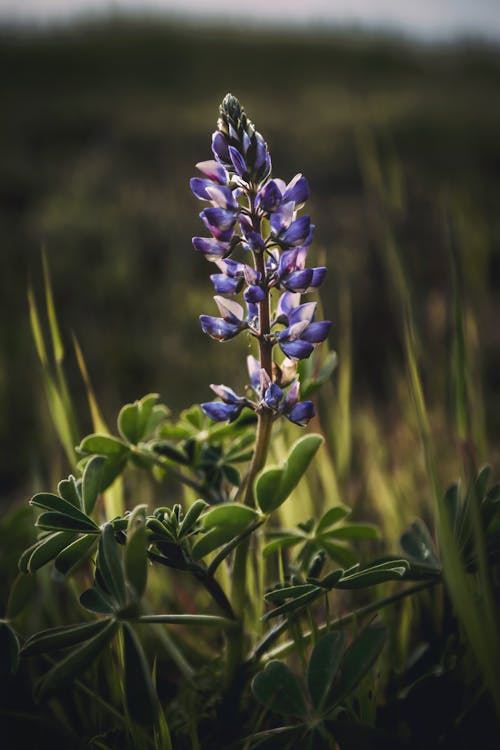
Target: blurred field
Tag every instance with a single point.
(100, 129)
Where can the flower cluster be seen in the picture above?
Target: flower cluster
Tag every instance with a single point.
(252, 211)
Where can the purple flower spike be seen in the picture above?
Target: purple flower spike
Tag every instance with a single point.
(252, 211)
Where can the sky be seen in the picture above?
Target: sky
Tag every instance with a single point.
(433, 19)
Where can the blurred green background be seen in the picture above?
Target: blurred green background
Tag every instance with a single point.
(100, 129)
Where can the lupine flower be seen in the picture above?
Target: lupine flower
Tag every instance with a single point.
(258, 214)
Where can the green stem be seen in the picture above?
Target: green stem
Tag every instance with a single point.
(235, 640)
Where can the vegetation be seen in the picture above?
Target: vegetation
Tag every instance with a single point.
(402, 163)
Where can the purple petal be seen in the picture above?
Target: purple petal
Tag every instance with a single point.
(254, 294)
(226, 284)
(239, 162)
(227, 394)
(220, 412)
(219, 222)
(297, 190)
(288, 301)
(218, 328)
(199, 188)
(232, 268)
(282, 218)
(302, 313)
(222, 196)
(292, 396)
(262, 161)
(253, 238)
(309, 237)
(298, 281)
(253, 366)
(230, 310)
(297, 349)
(213, 171)
(219, 148)
(273, 396)
(269, 198)
(301, 413)
(319, 274)
(315, 333)
(211, 248)
(298, 231)
(287, 263)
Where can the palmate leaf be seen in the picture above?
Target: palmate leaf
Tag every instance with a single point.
(50, 502)
(139, 420)
(332, 517)
(75, 663)
(52, 521)
(92, 482)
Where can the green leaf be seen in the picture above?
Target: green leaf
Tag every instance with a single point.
(51, 502)
(69, 490)
(282, 542)
(191, 517)
(323, 665)
(223, 523)
(9, 650)
(44, 551)
(232, 475)
(75, 553)
(65, 671)
(358, 659)
(142, 701)
(103, 445)
(299, 458)
(418, 544)
(392, 570)
(274, 484)
(344, 556)
(277, 688)
(60, 522)
(20, 594)
(288, 592)
(136, 550)
(109, 563)
(92, 482)
(331, 517)
(266, 489)
(137, 420)
(294, 604)
(97, 601)
(63, 637)
(353, 531)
